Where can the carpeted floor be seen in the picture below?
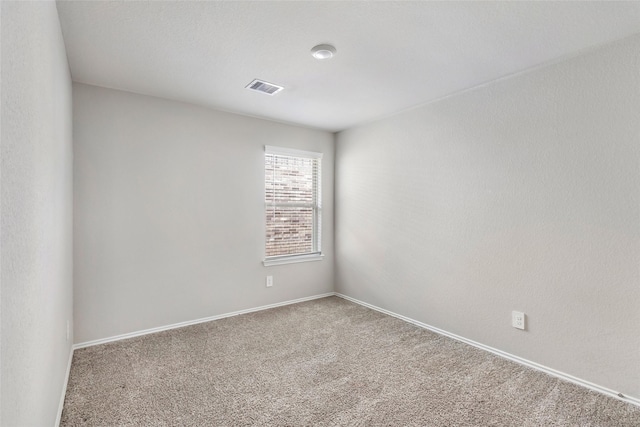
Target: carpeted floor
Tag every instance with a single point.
(326, 362)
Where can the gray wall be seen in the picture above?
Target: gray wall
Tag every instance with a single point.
(519, 195)
(169, 213)
(36, 214)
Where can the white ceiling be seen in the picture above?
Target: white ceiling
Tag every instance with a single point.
(391, 55)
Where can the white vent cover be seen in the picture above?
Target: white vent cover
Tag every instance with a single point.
(264, 87)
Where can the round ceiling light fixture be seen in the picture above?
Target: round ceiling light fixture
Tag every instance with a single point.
(323, 51)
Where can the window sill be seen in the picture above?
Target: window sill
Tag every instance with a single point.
(292, 259)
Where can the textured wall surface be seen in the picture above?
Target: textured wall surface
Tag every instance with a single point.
(169, 218)
(36, 224)
(519, 195)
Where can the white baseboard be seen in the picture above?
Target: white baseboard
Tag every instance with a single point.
(64, 389)
(513, 358)
(520, 360)
(195, 322)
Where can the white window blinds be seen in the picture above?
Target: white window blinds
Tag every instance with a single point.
(292, 201)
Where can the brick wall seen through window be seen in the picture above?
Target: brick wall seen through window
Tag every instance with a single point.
(292, 205)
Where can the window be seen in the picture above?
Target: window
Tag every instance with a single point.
(293, 207)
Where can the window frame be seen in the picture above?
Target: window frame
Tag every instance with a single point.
(317, 254)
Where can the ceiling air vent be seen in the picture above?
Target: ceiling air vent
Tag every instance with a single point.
(264, 87)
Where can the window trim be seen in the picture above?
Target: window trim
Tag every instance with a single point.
(317, 238)
(292, 152)
(292, 259)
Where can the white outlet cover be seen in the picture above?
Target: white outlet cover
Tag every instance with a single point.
(269, 281)
(517, 319)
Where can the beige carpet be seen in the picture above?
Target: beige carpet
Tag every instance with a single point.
(325, 362)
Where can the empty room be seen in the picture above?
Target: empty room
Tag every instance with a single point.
(319, 213)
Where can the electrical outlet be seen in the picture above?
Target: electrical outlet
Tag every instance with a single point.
(517, 319)
(269, 281)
